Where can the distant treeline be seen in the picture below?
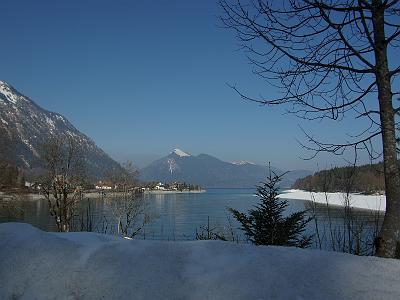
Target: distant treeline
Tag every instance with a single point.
(362, 179)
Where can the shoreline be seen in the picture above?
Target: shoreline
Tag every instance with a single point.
(90, 194)
(370, 202)
(360, 201)
(161, 192)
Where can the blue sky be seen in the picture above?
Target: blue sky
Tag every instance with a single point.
(144, 77)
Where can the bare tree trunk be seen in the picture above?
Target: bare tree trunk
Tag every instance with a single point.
(333, 41)
(389, 234)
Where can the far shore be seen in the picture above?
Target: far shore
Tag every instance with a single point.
(162, 192)
(89, 194)
(370, 202)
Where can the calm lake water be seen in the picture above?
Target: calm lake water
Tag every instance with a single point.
(178, 216)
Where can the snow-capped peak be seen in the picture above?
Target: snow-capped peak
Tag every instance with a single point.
(4, 86)
(6, 90)
(242, 162)
(180, 153)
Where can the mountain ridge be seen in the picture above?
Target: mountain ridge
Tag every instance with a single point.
(27, 126)
(211, 172)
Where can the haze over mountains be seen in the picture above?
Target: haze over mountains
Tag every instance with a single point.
(26, 127)
(209, 171)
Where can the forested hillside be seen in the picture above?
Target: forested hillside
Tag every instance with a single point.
(364, 179)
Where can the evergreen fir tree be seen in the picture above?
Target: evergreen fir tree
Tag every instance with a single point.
(266, 224)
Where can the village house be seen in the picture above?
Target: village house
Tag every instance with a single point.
(102, 185)
(159, 186)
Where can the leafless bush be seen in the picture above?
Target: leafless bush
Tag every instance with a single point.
(11, 208)
(129, 211)
(209, 233)
(127, 203)
(62, 183)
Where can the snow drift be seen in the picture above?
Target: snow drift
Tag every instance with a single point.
(40, 265)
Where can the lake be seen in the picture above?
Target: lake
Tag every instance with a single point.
(179, 216)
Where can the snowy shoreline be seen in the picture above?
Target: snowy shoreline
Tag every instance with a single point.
(371, 202)
(40, 265)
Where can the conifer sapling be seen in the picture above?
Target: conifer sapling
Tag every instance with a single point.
(266, 224)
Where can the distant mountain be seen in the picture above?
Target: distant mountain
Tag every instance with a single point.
(209, 171)
(26, 126)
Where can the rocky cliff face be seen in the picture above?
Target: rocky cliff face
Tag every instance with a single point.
(26, 127)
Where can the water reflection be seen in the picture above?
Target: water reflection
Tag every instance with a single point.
(177, 216)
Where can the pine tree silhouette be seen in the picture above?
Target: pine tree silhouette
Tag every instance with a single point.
(266, 224)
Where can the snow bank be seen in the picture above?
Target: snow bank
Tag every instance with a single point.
(39, 265)
(373, 202)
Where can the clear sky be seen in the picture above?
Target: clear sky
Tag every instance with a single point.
(143, 77)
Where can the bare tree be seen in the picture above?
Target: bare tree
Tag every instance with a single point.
(331, 58)
(62, 183)
(127, 203)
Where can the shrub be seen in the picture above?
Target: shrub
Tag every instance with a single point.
(266, 224)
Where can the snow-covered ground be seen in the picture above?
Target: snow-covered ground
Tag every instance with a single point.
(373, 202)
(40, 265)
